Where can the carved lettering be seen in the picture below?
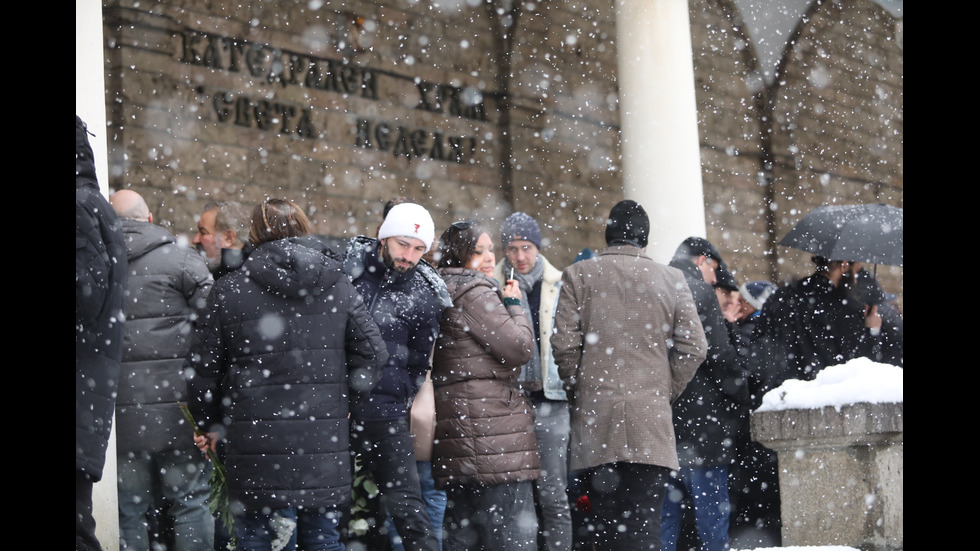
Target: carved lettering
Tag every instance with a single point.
(236, 51)
(402, 145)
(263, 114)
(419, 139)
(424, 88)
(274, 65)
(363, 135)
(189, 53)
(442, 98)
(382, 136)
(437, 151)
(220, 102)
(304, 126)
(413, 142)
(243, 111)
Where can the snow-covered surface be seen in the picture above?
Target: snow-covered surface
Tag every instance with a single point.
(859, 380)
(804, 548)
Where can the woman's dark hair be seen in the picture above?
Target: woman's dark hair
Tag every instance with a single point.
(277, 219)
(458, 243)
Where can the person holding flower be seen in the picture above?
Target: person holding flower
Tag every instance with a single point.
(286, 345)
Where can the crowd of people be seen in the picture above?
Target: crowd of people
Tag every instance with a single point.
(494, 404)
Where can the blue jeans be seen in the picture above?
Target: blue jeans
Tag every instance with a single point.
(314, 529)
(707, 488)
(179, 477)
(435, 505)
(551, 427)
(491, 518)
(626, 505)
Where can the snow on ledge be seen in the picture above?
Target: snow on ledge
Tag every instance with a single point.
(806, 548)
(859, 380)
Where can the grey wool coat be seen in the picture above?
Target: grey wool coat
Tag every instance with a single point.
(627, 341)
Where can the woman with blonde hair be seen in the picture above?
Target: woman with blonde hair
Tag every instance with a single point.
(485, 453)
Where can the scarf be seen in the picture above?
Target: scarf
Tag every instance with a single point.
(530, 377)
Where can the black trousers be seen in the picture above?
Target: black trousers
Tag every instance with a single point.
(385, 449)
(627, 501)
(84, 521)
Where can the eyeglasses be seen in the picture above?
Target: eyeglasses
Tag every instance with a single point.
(464, 224)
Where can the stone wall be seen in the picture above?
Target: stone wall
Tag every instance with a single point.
(838, 121)
(841, 479)
(732, 148)
(478, 109)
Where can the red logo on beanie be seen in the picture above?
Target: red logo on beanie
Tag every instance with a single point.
(417, 228)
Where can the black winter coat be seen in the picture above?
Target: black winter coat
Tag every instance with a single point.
(407, 308)
(285, 341)
(707, 414)
(100, 284)
(806, 326)
(167, 289)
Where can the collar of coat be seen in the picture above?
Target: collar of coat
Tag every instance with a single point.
(356, 259)
(627, 250)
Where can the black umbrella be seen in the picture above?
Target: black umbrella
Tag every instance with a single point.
(859, 233)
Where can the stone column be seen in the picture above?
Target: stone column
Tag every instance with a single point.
(90, 81)
(90, 106)
(658, 117)
(840, 474)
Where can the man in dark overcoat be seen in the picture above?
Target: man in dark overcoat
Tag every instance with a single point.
(706, 416)
(100, 285)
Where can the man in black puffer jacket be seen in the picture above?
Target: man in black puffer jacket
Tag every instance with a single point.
(285, 348)
(156, 461)
(100, 284)
(406, 298)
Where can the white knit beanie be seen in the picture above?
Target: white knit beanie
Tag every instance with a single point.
(409, 220)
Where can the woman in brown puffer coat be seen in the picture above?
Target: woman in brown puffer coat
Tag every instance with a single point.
(485, 454)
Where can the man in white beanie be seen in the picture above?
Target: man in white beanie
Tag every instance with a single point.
(406, 298)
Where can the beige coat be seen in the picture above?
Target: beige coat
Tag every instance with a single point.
(422, 420)
(628, 339)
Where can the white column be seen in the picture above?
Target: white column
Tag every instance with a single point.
(90, 81)
(658, 116)
(90, 106)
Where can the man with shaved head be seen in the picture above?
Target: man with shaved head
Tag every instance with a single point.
(167, 288)
(130, 205)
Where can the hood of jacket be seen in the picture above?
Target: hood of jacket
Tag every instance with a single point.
(291, 268)
(84, 157)
(460, 280)
(143, 237)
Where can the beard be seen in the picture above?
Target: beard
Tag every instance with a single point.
(848, 287)
(212, 263)
(391, 262)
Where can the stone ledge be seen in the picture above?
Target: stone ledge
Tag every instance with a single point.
(854, 424)
(840, 473)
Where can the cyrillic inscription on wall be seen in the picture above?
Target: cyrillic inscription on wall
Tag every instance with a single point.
(282, 68)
